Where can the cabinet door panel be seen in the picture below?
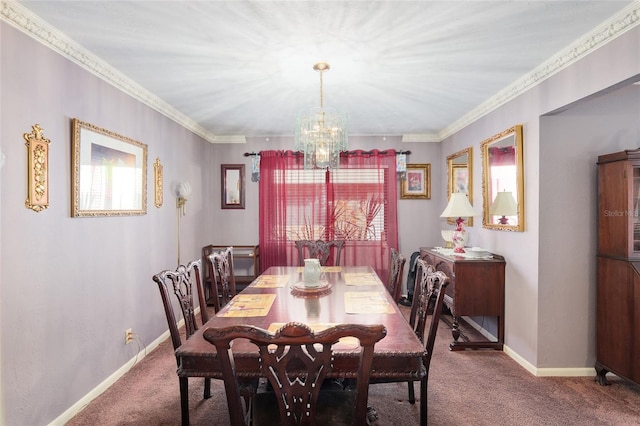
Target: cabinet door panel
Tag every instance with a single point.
(635, 325)
(614, 314)
(480, 288)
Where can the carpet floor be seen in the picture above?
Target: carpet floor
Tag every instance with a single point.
(482, 387)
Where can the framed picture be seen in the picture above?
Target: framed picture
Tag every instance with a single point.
(232, 186)
(459, 179)
(109, 173)
(417, 184)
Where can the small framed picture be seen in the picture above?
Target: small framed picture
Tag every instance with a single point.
(417, 184)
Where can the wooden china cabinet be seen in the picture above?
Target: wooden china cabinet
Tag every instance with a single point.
(618, 260)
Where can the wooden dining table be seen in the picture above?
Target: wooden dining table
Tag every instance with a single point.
(346, 294)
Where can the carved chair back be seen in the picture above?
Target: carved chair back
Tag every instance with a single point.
(296, 360)
(431, 299)
(422, 270)
(181, 283)
(223, 281)
(320, 250)
(207, 283)
(396, 269)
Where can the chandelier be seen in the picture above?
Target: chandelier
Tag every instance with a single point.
(320, 134)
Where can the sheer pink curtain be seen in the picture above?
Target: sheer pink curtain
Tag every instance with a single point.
(382, 193)
(273, 199)
(356, 203)
(505, 156)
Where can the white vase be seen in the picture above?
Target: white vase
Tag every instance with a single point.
(311, 272)
(459, 238)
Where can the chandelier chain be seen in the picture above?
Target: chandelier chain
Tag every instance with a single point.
(321, 90)
(321, 135)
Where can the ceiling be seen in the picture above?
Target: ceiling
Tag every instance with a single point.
(235, 69)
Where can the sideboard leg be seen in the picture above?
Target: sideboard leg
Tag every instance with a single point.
(601, 375)
(455, 329)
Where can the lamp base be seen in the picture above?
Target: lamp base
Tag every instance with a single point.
(459, 238)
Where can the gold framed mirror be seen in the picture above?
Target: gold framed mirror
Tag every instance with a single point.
(503, 181)
(232, 186)
(460, 178)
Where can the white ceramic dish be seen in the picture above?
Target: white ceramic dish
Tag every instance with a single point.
(477, 252)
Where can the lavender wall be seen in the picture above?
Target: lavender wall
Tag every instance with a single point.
(71, 286)
(570, 142)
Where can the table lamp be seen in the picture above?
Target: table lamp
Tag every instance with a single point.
(504, 205)
(459, 207)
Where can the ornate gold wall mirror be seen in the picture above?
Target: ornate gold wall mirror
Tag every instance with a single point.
(460, 178)
(503, 181)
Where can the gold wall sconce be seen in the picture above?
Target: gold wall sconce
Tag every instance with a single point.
(37, 169)
(183, 190)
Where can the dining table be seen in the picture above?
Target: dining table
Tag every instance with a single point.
(343, 294)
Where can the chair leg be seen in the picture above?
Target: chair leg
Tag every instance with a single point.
(412, 396)
(423, 401)
(184, 400)
(207, 388)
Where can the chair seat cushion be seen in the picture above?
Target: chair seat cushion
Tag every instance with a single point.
(335, 407)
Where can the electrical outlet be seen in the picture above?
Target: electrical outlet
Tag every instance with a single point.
(128, 336)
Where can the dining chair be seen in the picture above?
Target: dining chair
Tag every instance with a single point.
(422, 269)
(431, 287)
(296, 361)
(207, 279)
(223, 281)
(423, 303)
(319, 249)
(396, 268)
(181, 283)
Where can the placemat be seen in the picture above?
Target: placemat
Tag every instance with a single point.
(249, 305)
(367, 302)
(361, 278)
(271, 281)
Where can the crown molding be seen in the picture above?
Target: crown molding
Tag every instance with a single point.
(229, 139)
(420, 137)
(618, 24)
(31, 24)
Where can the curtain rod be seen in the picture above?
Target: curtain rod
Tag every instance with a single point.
(252, 154)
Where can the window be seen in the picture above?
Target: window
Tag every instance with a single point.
(356, 203)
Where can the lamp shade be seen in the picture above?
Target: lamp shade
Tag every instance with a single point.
(504, 205)
(459, 206)
(183, 190)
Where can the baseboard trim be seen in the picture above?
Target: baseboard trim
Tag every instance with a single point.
(105, 384)
(538, 372)
(549, 372)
